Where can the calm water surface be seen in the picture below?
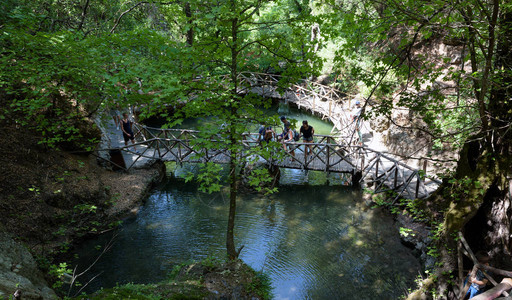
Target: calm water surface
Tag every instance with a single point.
(315, 241)
(321, 126)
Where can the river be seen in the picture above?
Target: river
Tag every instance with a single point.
(315, 240)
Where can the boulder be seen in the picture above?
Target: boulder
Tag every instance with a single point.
(406, 142)
(19, 272)
(380, 124)
(324, 79)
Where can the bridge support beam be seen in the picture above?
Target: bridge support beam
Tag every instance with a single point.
(356, 178)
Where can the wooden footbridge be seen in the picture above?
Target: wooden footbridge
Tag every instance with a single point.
(180, 145)
(326, 101)
(331, 153)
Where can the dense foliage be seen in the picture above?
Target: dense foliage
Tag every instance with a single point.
(65, 61)
(464, 101)
(62, 61)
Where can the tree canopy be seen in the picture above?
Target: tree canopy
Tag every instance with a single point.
(62, 61)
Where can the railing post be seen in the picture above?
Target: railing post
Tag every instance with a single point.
(179, 148)
(425, 163)
(376, 168)
(396, 176)
(328, 156)
(362, 159)
(418, 180)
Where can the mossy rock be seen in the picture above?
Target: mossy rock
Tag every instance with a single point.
(176, 290)
(208, 279)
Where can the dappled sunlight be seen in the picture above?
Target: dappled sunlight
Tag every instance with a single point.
(154, 226)
(313, 241)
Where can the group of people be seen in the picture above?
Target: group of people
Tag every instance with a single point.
(288, 136)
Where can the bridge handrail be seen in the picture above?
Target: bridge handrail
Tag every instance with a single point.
(294, 84)
(343, 146)
(148, 141)
(326, 91)
(399, 163)
(197, 131)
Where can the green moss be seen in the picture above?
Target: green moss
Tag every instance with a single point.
(175, 290)
(187, 281)
(261, 285)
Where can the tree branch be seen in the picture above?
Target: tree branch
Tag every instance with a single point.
(84, 13)
(124, 13)
(132, 8)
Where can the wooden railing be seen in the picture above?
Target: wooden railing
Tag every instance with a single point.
(326, 101)
(183, 145)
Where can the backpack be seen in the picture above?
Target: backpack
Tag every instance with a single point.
(296, 135)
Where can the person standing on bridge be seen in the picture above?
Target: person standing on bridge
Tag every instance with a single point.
(307, 133)
(127, 131)
(266, 133)
(286, 128)
(356, 118)
(287, 139)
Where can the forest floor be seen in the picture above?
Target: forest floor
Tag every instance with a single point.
(51, 198)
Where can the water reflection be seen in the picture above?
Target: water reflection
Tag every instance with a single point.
(314, 241)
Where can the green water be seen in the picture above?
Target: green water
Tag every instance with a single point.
(321, 127)
(314, 241)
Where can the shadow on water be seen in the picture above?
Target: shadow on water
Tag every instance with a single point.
(321, 126)
(315, 241)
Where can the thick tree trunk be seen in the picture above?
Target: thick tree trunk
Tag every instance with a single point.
(477, 200)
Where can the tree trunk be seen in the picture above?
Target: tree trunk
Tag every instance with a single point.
(478, 199)
(230, 242)
(190, 31)
(233, 175)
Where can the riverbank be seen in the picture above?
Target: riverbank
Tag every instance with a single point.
(80, 199)
(415, 232)
(50, 200)
(207, 279)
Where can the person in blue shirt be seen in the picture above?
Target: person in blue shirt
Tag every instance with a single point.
(266, 133)
(479, 281)
(286, 128)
